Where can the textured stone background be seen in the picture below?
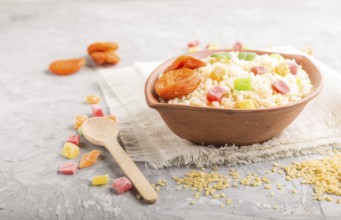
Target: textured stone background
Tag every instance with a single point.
(37, 108)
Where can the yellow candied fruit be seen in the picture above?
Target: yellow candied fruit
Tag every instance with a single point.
(212, 46)
(192, 49)
(275, 206)
(79, 119)
(308, 50)
(92, 99)
(193, 202)
(70, 150)
(282, 69)
(111, 117)
(294, 191)
(157, 188)
(217, 73)
(272, 194)
(246, 104)
(100, 180)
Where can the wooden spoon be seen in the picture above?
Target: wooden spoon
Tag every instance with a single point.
(103, 132)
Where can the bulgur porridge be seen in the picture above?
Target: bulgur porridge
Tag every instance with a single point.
(239, 80)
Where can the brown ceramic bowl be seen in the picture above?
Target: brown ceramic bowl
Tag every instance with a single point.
(216, 126)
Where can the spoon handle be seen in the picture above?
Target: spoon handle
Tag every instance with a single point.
(132, 171)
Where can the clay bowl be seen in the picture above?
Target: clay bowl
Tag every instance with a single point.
(208, 125)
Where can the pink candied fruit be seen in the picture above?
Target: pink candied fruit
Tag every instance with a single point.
(292, 67)
(75, 139)
(280, 87)
(215, 94)
(237, 46)
(257, 70)
(97, 111)
(68, 168)
(121, 184)
(193, 43)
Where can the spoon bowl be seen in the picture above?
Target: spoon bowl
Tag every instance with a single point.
(103, 132)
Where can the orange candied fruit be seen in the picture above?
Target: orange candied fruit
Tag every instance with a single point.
(89, 159)
(79, 119)
(92, 99)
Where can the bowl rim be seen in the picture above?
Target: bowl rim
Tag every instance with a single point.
(156, 104)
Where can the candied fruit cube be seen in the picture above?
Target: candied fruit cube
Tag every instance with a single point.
(97, 111)
(280, 87)
(193, 43)
(257, 70)
(237, 46)
(68, 168)
(293, 68)
(242, 84)
(121, 184)
(92, 99)
(100, 180)
(282, 69)
(246, 104)
(212, 46)
(217, 73)
(247, 56)
(192, 49)
(215, 94)
(79, 119)
(70, 150)
(221, 56)
(89, 159)
(75, 139)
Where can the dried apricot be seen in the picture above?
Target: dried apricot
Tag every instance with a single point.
(102, 47)
(185, 62)
(177, 83)
(111, 57)
(98, 57)
(66, 67)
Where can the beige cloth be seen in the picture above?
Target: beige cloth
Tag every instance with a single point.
(146, 137)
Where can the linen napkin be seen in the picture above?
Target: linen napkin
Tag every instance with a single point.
(147, 138)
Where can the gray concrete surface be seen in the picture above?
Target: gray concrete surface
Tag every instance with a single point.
(37, 108)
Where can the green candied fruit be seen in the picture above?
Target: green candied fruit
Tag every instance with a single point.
(242, 84)
(222, 56)
(242, 55)
(248, 56)
(79, 131)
